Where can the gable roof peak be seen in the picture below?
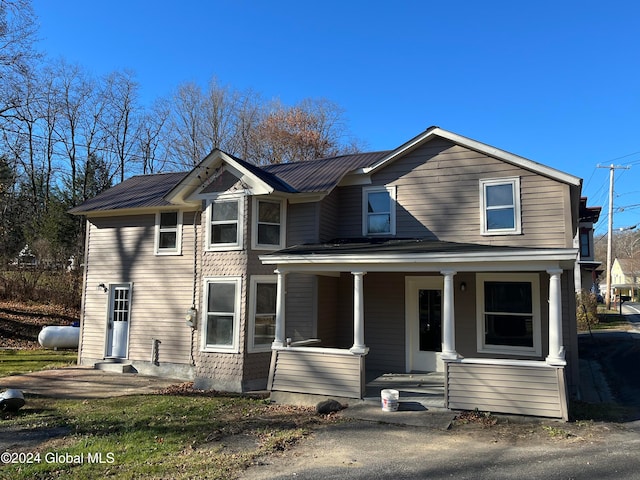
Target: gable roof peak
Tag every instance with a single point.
(435, 132)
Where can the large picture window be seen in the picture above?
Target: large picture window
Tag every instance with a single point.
(509, 313)
(500, 206)
(262, 322)
(168, 233)
(225, 224)
(222, 310)
(378, 211)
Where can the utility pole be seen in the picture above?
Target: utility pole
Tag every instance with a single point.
(612, 169)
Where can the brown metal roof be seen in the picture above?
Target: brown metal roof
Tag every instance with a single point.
(322, 175)
(314, 176)
(136, 192)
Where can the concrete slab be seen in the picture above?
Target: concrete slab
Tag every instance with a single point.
(409, 413)
(84, 382)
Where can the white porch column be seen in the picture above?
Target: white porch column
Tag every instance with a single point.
(556, 349)
(448, 318)
(279, 340)
(358, 314)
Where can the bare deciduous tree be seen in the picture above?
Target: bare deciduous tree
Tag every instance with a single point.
(152, 137)
(121, 117)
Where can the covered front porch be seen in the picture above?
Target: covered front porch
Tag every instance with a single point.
(466, 376)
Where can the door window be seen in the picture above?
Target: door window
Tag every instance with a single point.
(430, 318)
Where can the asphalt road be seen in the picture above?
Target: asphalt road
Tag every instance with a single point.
(515, 448)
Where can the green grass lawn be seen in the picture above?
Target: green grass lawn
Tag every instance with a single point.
(16, 362)
(155, 436)
(177, 434)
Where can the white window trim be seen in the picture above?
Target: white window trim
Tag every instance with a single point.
(255, 280)
(234, 347)
(392, 206)
(534, 279)
(168, 251)
(283, 224)
(239, 243)
(515, 183)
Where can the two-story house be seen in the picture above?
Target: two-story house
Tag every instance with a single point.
(625, 277)
(587, 268)
(445, 254)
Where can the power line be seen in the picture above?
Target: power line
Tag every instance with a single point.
(612, 168)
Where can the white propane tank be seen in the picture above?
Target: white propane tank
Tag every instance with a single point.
(59, 337)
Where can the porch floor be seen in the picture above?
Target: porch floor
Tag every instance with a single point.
(418, 391)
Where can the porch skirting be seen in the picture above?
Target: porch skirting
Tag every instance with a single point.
(519, 387)
(320, 371)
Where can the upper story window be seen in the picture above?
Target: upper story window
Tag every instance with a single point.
(508, 307)
(500, 206)
(224, 217)
(585, 243)
(168, 233)
(269, 224)
(379, 211)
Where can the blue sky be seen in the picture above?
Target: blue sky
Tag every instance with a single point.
(557, 81)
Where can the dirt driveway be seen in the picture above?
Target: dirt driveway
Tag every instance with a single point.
(83, 382)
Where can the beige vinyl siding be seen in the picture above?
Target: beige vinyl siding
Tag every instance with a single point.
(438, 196)
(300, 307)
(569, 324)
(523, 390)
(121, 250)
(330, 211)
(319, 373)
(350, 217)
(384, 325)
(327, 330)
(302, 223)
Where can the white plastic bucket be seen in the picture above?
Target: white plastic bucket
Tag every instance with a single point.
(389, 400)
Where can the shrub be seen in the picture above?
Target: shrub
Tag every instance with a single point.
(42, 286)
(587, 310)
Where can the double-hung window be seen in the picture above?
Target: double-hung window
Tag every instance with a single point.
(168, 233)
(225, 224)
(378, 211)
(268, 225)
(508, 307)
(222, 314)
(262, 322)
(500, 206)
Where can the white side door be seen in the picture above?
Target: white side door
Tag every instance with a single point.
(118, 320)
(423, 310)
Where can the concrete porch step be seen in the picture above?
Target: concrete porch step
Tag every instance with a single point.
(114, 366)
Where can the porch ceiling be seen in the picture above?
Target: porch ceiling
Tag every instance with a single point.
(417, 255)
